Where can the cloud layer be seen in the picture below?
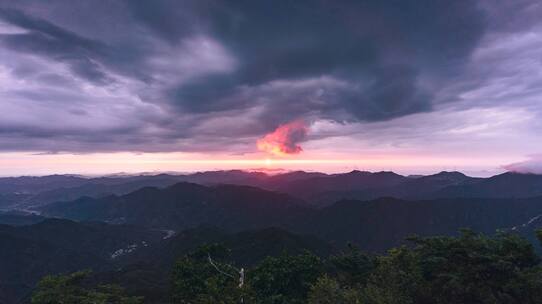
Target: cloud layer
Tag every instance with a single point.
(87, 76)
(532, 165)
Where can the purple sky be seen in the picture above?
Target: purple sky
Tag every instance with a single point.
(410, 86)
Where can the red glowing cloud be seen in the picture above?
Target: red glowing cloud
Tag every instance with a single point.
(285, 139)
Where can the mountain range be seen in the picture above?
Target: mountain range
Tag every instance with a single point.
(130, 229)
(187, 205)
(317, 189)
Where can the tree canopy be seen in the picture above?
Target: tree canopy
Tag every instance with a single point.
(72, 289)
(469, 268)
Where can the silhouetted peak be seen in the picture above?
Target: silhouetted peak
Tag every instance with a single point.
(387, 173)
(448, 175)
(358, 172)
(369, 173)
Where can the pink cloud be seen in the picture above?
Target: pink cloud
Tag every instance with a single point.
(285, 139)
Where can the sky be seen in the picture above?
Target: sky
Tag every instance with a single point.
(416, 87)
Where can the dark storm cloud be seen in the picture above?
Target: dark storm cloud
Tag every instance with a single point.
(171, 74)
(59, 44)
(169, 19)
(381, 48)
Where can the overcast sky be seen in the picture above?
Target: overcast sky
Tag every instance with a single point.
(411, 86)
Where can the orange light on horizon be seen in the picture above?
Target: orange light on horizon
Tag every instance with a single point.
(23, 163)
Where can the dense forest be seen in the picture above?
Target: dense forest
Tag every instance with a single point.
(232, 236)
(469, 268)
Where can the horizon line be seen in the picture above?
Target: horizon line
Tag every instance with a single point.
(268, 172)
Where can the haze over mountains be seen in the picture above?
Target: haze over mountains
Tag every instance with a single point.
(317, 189)
(128, 228)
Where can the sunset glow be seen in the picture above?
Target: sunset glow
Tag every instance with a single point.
(104, 163)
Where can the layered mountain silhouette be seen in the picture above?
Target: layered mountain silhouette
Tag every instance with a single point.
(371, 224)
(316, 189)
(130, 229)
(188, 205)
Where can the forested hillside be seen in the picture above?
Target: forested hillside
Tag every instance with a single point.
(470, 268)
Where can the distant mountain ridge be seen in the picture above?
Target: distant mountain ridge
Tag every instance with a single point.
(509, 185)
(317, 189)
(188, 205)
(372, 224)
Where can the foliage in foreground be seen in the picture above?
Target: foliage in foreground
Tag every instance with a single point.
(471, 268)
(71, 289)
(198, 280)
